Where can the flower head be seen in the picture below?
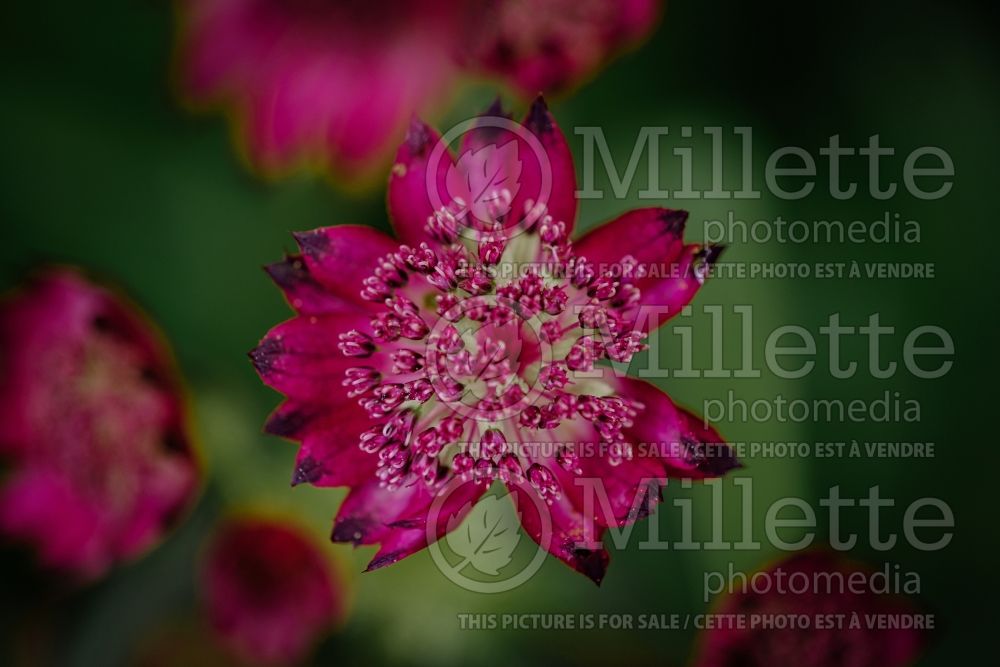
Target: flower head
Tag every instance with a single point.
(269, 592)
(336, 82)
(550, 45)
(93, 426)
(476, 349)
(812, 586)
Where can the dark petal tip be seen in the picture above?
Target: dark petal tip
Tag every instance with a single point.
(286, 424)
(720, 465)
(710, 254)
(313, 243)
(264, 355)
(716, 461)
(418, 136)
(351, 530)
(308, 470)
(382, 561)
(645, 506)
(593, 564)
(674, 221)
(539, 119)
(289, 272)
(495, 109)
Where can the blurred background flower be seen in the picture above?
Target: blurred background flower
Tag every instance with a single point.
(93, 426)
(845, 618)
(545, 46)
(269, 591)
(334, 83)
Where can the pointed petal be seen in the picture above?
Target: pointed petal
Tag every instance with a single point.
(341, 257)
(490, 160)
(687, 446)
(488, 129)
(303, 292)
(409, 531)
(329, 454)
(650, 235)
(530, 159)
(410, 204)
(556, 162)
(293, 419)
(676, 285)
(300, 357)
(566, 540)
(631, 487)
(368, 510)
(654, 238)
(333, 459)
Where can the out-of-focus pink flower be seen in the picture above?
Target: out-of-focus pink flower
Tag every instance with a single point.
(552, 44)
(92, 426)
(269, 592)
(815, 588)
(316, 80)
(334, 83)
(468, 353)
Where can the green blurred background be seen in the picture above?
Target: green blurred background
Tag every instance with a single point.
(100, 167)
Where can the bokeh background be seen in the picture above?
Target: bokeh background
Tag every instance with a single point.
(100, 167)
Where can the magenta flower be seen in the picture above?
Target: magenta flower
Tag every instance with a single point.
(92, 427)
(826, 592)
(268, 591)
(471, 351)
(335, 83)
(549, 45)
